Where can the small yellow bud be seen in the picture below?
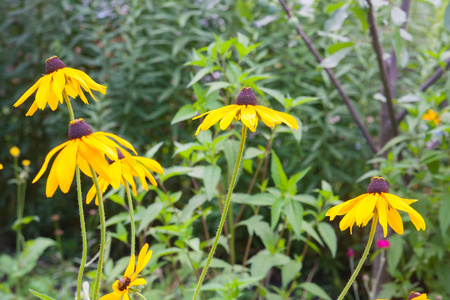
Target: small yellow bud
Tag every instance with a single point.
(15, 151)
(26, 162)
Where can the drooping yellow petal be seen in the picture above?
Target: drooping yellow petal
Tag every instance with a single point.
(43, 92)
(226, 121)
(95, 159)
(279, 116)
(32, 109)
(121, 141)
(47, 160)
(138, 281)
(66, 169)
(143, 260)
(125, 296)
(150, 164)
(58, 84)
(395, 221)
(249, 118)
(29, 92)
(365, 209)
(215, 116)
(116, 173)
(382, 209)
(343, 208)
(113, 296)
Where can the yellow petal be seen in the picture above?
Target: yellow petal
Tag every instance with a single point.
(66, 168)
(32, 109)
(121, 141)
(138, 281)
(47, 159)
(150, 164)
(113, 296)
(130, 267)
(382, 208)
(95, 159)
(365, 209)
(395, 221)
(58, 84)
(43, 92)
(143, 260)
(29, 92)
(226, 121)
(116, 173)
(279, 116)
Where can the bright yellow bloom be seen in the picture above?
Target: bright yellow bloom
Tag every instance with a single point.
(417, 296)
(361, 209)
(1, 167)
(124, 169)
(84, 148)
(432, 116)
(246, 110)
(14, 151)
(129, 279)
(59, 79)
(26, 162)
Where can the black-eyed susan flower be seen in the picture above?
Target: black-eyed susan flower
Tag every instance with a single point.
(121, 287)
(377, 201)
(417, 296)
(85, 148)
(14, 151)
(125, 168)
(431, 116)
(248, 111)
(58, 80)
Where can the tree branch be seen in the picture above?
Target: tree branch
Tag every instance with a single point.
(383, 73)
(335, 81)
(436, 75)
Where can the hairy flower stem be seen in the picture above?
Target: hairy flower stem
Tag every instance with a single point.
(101, 212)
(131, 209)
(69, 105)
(83, 233)
(224, 213)
(363, 258)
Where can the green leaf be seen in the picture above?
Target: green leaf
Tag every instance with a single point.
(289, 271)
(149, 215)
(211, 178)
(201, 73)
(40, 295)
(333, 60)
(267, 236)
(214, 86)
(444, 213)
(338, 46)
(315, 290)
(186, 112)
(262, 199)
(262, 262)
(394, 253)
(278, 175)
(24, 221)
(447, 17)
(30, 255)
(329, 236)
(277, 95)
(294, 214)
(275, 212)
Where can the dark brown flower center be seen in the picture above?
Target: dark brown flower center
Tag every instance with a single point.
(378, 185)
(246, 97)
(124, 282)
(79, 128)
(53, 64)
(413, 295)
(119, 155)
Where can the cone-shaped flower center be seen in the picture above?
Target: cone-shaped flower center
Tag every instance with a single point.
(119, 155)
(413, 295)
(53, 64)
(378, 185)
(124, 282)
(246, 97)
(79, 128)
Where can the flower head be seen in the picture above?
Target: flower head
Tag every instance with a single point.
(248, 111)
(58, 80)
(1, 167)
(26, 162)
(121, 287)
(84, 148)
(417, 296)
(377, 201)
(124, 169)
(383, 244)
(350, 253)
(432, 116)
(14, 151)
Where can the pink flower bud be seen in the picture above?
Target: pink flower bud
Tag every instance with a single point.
(350, 253)
(383, 244)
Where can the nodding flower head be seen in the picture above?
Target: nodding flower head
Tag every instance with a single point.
(79, 128)
(53, 64)
(246, 97)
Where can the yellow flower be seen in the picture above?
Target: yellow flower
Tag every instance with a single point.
(377, 201)
(1, 167)
(14, 151)
(246, 110)
(129, 279)
(26, 162)
(84, 148)
(59, 79)
(124, 169)
(432, 116)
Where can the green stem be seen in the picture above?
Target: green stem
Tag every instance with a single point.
(83, 234)
(19, 217)
(224, 213)
(69, 105)
(101, 212)
(363, 258)
(377, 277)
(131, 209)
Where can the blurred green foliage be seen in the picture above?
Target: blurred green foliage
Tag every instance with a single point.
(166, 61)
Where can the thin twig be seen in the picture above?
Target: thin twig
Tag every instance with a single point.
(383, 73)
(335, 81)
